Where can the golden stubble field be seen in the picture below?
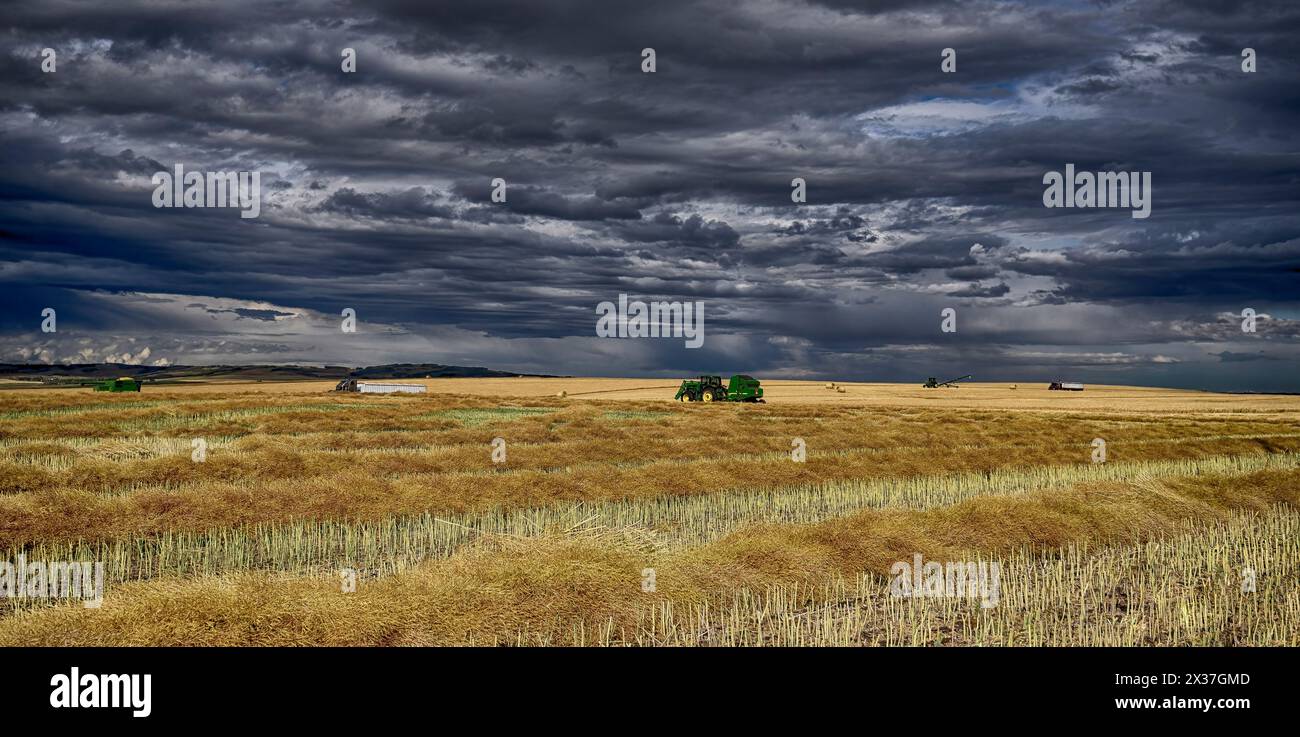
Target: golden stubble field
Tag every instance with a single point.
(493, 511)
(972, 395)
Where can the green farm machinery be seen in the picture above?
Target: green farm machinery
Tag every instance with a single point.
(933, 383)
(741, 388)
(124, 384)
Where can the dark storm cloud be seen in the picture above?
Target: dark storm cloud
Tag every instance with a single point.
(415, 202)
(265, 315)
(972, 272)
(924, 189)
(995, 290)
(526, 200)
(693, 231)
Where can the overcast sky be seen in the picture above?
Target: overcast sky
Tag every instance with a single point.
(924, 188)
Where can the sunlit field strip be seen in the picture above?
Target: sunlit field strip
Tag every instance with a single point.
(109, 478)
(395, 544)
(357, 433)
(460, 423)
(183, 407)
(697, 441)
(81, 409)
(180, 421)
(60, 405)
(1181, 590)
(127, 448)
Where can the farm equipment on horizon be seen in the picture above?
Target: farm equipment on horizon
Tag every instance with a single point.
(378, 387)
(933, 383)
(741, 388)
(123, 384)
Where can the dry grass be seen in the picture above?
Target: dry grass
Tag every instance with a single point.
(76, 469)
(397, 543)
(1184, 589)
(548, 547)
(586, 587)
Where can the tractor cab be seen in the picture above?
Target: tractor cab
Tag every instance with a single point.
(703, 389)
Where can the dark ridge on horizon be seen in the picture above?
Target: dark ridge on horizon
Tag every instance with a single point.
(70, 373)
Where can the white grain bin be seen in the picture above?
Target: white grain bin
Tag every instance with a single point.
(372, 387)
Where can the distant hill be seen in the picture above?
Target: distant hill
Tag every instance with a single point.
(430, 370)
(75, 373)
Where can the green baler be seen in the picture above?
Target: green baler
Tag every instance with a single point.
(741, 388)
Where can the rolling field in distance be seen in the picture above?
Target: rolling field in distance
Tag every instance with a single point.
(971, 394)
(746, 545)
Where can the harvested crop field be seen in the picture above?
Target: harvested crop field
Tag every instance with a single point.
(493, 511)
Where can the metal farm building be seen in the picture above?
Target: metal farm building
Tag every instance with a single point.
(374, 387)
(370, 387)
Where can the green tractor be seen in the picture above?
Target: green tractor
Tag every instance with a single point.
(124, 384)
(933, 383)
(741, 388)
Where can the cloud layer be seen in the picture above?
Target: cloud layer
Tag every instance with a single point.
(924, 188)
